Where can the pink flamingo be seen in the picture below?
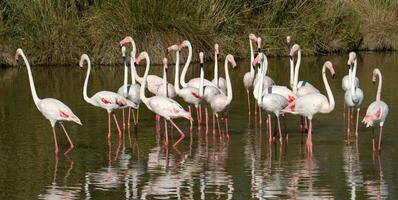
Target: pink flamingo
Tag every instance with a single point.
(271, 102)
(377, 110)
(353, 96)
(191, 95)
(163, 106)
(346, 81)
(220, 82)
(248, 78)
(311, 104)
(220, 102)
(52, 109)
(107, 100)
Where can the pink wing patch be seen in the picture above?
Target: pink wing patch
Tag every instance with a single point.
(290, 99)
(120, 102)
(378, 113)
(105, 101)
(176, 111)
(196, 95)
(63, 114)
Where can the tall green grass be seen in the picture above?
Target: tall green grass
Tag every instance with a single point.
(57, 32)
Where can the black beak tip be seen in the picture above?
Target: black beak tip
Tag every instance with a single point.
(373, 82)
(291, 57)
(17, 60)
(333, 75)
(349, 66)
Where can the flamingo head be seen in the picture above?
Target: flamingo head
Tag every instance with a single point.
(188, 116)
(231, 60)
(352, 56)
(17, 54)
(252, 37)
(172, 48)
(216, 49)
(140, 57)
(374, 75)
(288, 39)
(257, 59)
(165, 64)
(123, 51)
(183, 44)
(329, 66)
(259, 44)
(201, 57)
(76, 120)
(82, 59)
(126, 40)
(293, 50)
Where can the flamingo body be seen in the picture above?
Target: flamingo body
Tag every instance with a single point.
(353, 100)
(376, 112)
(345, 82)
(54, 110)
(133, 93)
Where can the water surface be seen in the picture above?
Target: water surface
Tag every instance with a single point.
(202, 166)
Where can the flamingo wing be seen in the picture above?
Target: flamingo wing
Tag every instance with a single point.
(55, 110)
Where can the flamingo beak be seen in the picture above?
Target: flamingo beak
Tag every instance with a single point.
(189, 117)
(333, 75)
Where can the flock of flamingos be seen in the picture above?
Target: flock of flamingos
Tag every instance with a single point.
(301, 98)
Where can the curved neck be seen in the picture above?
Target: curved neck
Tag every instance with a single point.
(216, 68)
(296, 71)
(165, 82)
(328, 90)
(176, 72)
(264, 64)
(85, 96)
(251, 58)
(133, 71)
(229, 86)
(144, 82)
(185, 69)
(353, 75)
(378, 94)
(202, 77)
(31, 82)
(291, 72)
(126, 71)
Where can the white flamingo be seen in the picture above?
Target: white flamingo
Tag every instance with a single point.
(248, 78)
(220, 102)
(107, 100)
(52, 109)
(353, 97)
(267, 82)
(163, 106)
(220, 82)
(133, 89)
(377, 110)
(312, 104)
(274, 103)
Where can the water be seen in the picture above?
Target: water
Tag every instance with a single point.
(201, 166)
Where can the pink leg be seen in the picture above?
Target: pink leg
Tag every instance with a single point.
(348, 121)
(136, 118)
(157, 118)
(260, 117)
(226, 127)
(124, 121)
(71, 146)
(182, 135)
(309, 137)
(270, 128)
(373, 138)
(166, 136)
(190, 112)
(200, 113)
(248, 100)
(381, 132)
(197, 115)
(207, 121)
(214, 124)
(279, 127)
(117, 125)
(129, 118)
(218, 125)
(109, 126)
(356, 126)
(55, 141)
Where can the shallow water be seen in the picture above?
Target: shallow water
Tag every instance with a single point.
(202, 166)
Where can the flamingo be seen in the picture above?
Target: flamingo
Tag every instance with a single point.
(267, 82)
(154, 82)
(272, 102)
(377, 110)
(346, 81)
(163, 106)
(311, 104)
(354, 95)
(52, 109)
(248, 78)
(218, 81)
(107, 100)
(220, 102)
(133, 89)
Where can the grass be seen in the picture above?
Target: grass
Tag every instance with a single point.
(57, 32)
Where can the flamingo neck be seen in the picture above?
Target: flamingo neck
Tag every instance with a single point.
(31, 82)
(202, 77)
(165, 81)
(296, 71)
(352, 80)
(176, 72)
(378, 94)
(126, 71)
(85, 96)
(216, 68)
(132, 70)
(144, 82)
(185, 69)
(251, 58)
(264, 65)
(291, 73)
(229, 86)
(328, 90)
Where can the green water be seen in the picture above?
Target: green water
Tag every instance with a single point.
(202, 166)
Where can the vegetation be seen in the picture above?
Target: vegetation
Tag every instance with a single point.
(57, 32)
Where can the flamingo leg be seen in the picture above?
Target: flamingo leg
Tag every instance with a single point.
(166, 136)
(129, 118)
(226, 127)
(356, 126)
(270, 128)
(71, 146)
(275, 127)
(109, 126)
(279, 128)
(207, 120)
(380, 134)
(248, 100)
(190, 112)
(197, 114)
(200, 114)
(214, 124)
(285, 127)
(182, 135)
(138, 111)
(309, 136)
(373, 138)
(124, 121)
(260, 116)
(218, 125)
(117, 125)
(344, 112)
(55, 141)
(348, 121)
